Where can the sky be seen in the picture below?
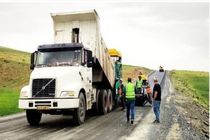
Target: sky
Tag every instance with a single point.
(168, 33)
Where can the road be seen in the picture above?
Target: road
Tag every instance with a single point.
(112, 126)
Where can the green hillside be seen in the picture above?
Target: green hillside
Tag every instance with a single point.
(14, 71)
(14, 68)
(193, 84)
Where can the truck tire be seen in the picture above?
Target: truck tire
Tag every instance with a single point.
(80, 113)
(110, 101)
(102, 102)
(33, 117)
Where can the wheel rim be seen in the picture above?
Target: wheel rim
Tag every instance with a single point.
(82, 109)
(106, 103)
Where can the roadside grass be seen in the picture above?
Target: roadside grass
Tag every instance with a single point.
(14, 74)
(193, 84)
(8, 101)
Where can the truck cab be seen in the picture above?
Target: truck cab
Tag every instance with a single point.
(60, 73)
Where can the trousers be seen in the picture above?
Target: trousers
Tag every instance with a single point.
(130, 105)
(156, 109)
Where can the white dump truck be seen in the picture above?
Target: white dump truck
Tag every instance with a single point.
(73, 75)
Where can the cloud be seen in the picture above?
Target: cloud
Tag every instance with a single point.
(174, 35)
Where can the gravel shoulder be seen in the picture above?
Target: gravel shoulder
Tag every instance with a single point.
(181, 117)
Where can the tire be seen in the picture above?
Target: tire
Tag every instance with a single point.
(33, 117)
(80, 113)
(110, 101)
(102, 102)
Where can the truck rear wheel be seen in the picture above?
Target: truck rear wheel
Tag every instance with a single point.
(33, 117)
(110, 101)
(79, 113)
(103, 102)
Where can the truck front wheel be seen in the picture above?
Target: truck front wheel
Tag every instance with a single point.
(79, 113)
(33, 117)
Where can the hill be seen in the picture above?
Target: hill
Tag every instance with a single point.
(133, 71)
(14, 71)
(14, 68)
(193, 84)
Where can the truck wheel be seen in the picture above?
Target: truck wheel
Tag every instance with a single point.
(33, 117)
(102, 102)
(79, 113)
(110, 101)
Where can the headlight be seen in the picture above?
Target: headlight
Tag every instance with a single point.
(67, 94)
(23, 94)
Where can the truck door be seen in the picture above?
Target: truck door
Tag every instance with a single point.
(87, 78)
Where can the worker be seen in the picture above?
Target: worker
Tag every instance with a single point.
(138, 85)
(144, 79)
(130, 100)
(118, 68)
(121, 92)
(117, 85)
(149, 94)
(156, 100)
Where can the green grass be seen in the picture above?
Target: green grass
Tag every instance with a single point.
(193, 84)
(14, 74)
(8, 101)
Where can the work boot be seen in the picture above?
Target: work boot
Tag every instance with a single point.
(155, 121)
(131, 121)
(128, 120)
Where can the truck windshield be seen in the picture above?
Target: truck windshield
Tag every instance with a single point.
(59, 58)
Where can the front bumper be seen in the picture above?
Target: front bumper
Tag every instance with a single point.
(48, 103)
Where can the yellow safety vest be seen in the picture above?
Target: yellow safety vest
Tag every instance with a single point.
(130, 91)
(139, 83)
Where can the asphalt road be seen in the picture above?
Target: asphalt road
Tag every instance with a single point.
(112, 126)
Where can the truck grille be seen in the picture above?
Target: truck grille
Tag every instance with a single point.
(43, 88)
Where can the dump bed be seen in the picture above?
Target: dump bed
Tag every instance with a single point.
(83, 27)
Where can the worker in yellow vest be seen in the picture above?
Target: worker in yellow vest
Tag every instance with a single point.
(138, 85)
(130, 100)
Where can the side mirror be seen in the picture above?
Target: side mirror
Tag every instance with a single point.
(89, 59)
(33, 56)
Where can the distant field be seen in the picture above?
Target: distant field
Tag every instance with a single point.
(194, 84)
(14, 74)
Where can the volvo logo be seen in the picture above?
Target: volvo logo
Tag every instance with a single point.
(43, 88)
